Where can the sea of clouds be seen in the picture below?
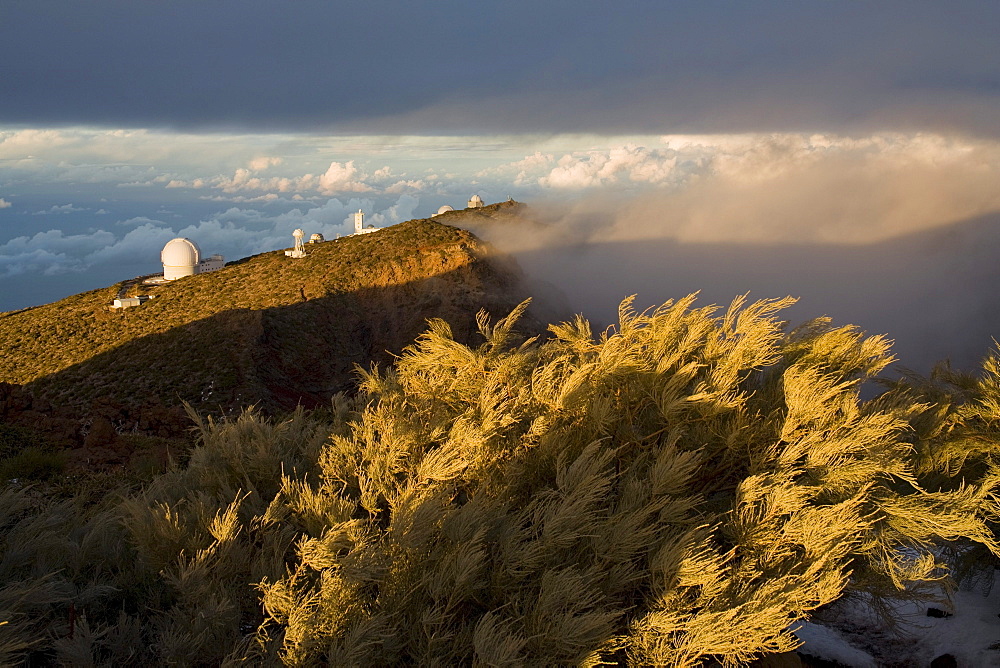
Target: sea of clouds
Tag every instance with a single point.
(891, 231)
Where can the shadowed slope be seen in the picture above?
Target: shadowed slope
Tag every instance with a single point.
(267, 330)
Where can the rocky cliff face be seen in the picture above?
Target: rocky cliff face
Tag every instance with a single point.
(269, 330)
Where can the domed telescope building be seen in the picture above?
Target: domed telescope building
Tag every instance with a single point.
(181, 257)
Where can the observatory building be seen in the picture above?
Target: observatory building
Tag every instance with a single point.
(443, 209)
(359, 224)
(475, 202)
(181, 257)
(299, 251)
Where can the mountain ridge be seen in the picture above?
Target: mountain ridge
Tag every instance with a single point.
(266, 330)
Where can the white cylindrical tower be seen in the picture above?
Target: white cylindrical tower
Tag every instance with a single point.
(359, 221)
(180, 258)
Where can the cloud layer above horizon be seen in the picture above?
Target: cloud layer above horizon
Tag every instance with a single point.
(76, 197)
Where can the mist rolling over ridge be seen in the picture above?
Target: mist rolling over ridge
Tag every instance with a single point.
(898, 243)
(929, 292)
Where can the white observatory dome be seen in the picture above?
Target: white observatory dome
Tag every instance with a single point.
(180, 258)
(444, 209)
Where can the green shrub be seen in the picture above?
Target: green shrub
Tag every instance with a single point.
(14, 439)
(33, 464)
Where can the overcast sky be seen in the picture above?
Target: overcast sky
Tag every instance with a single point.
(757, 125)
(527, 66)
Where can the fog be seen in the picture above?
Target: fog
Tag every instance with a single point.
(901, 247)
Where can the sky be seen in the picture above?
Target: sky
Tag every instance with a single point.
(843, 152)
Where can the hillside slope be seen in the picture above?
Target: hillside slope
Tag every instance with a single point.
(268, 330)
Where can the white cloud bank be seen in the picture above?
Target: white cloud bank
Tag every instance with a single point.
(747, 188)
(339, 178)
(51, 252)
(235, 232)
(789, 188)
(633, 164)
(59, 209)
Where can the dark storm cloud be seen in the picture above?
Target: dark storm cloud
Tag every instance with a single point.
(456, 67)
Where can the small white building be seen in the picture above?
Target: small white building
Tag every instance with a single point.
(181, 257)
(129, 302)
(126, 302)
(475, 202)
(359, 224)
(316, 238)
(443, 209)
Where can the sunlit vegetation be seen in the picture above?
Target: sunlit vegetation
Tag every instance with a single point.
(196, 337)
(677, 490)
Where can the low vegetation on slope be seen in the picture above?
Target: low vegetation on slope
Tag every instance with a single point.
(269, 329)
(677, 490)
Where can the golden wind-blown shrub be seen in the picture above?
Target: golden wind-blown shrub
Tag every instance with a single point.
(676, 490)
(683, 486)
